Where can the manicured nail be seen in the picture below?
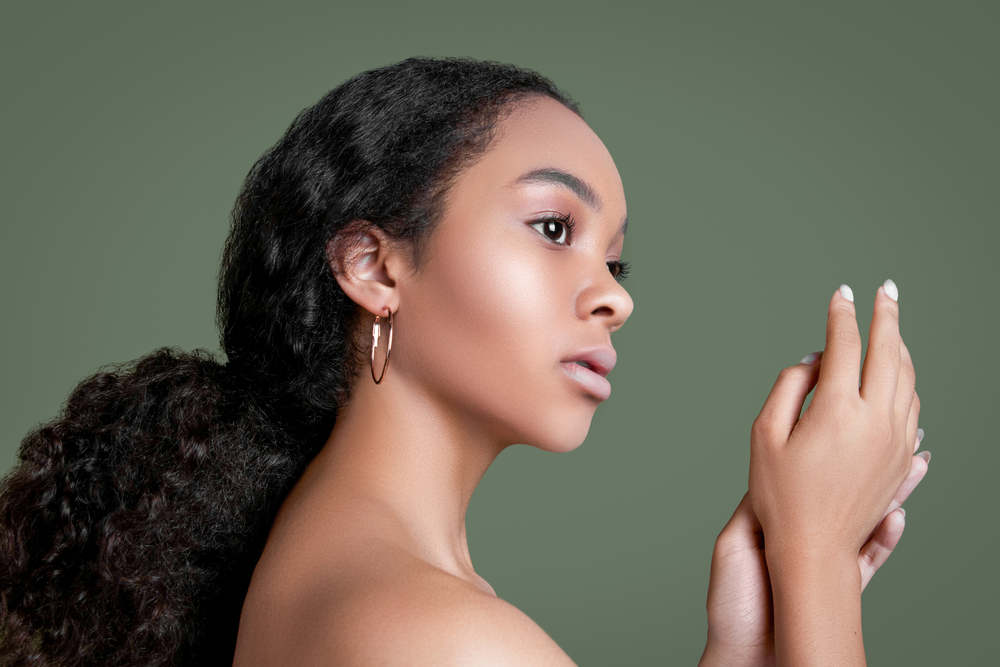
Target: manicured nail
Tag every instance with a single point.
(847, 293)
(920, 437)
(891, 290)
(926, 456)
(811, 359)
(901, 511)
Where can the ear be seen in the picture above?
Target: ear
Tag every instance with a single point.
(367, 266)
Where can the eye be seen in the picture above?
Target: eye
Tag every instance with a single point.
(557, 229)
(619, 270)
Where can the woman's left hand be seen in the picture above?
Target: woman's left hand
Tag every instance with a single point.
(740, 616)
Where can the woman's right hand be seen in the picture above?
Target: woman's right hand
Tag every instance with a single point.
(820, 484)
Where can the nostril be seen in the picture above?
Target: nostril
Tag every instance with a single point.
(603, 310)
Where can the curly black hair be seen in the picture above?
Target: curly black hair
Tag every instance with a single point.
(133, 521)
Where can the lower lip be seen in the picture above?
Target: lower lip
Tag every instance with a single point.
(596, 386)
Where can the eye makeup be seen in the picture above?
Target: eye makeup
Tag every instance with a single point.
(558, 228)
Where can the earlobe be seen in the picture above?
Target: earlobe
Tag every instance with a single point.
(364, 264)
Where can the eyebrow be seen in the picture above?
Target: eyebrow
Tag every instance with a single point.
(580, 188)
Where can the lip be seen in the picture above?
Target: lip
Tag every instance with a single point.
(588, 369)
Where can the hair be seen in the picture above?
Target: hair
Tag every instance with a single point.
(132, 523)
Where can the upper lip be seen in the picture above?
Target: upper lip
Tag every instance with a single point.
(600, 360)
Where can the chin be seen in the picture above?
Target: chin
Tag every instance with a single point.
(564, 435)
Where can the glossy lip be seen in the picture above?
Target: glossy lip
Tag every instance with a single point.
(589, 369)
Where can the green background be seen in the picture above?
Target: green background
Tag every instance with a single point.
(769, 152)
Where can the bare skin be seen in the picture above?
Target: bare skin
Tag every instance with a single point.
(816, 568)
(368, 563)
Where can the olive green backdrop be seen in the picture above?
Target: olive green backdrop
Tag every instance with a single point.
(769, 152)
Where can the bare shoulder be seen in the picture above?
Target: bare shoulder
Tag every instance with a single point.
(434, 618)
(397, 610)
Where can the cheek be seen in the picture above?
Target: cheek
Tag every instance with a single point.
(482, 332)
(480, 308)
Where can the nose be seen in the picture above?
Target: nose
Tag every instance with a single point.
(605, 299)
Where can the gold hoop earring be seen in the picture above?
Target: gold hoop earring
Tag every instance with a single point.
(376, 331)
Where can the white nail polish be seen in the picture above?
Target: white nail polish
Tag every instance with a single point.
(891, 290)
(920, 434)
(810, 359)
(847, 293)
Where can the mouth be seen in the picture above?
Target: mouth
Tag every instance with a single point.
(589, 369)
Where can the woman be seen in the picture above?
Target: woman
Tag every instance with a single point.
(456, 229)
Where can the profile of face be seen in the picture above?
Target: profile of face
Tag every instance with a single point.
(507, 320)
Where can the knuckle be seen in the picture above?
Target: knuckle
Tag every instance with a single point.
(888, 308)
(887, 348)
(764, 429)
(790, 373)
(759, 429)
(845, 336)
(841, 308)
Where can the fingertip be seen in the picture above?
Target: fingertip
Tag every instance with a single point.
(811, 359)
(890, 289)
(893, 526)
(890, 299)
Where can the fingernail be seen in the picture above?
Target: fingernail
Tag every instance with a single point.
(811, 359)
(891, 290)
(920, 435)
(847, 293)
(901, 511)
(926, 456)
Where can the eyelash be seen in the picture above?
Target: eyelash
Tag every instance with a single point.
(619, 270)
(566, 220)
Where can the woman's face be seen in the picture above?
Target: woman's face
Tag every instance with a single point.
(508, 320)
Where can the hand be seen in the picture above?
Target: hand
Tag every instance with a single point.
(740, 608)
(740, 615)
(820, 484)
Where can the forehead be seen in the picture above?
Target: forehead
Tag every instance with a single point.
(543, 135)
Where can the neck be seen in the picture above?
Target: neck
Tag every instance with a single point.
(397, 449)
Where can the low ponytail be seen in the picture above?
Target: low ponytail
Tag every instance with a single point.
(131, 526)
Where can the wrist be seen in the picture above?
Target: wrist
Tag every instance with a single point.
(802, 561)
(817, 608)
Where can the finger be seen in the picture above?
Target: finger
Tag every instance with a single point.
(877, 550)
(918, 468)
(905, 394)
(880, 374)
(842, 355)
(784, 404)
(912, 418)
